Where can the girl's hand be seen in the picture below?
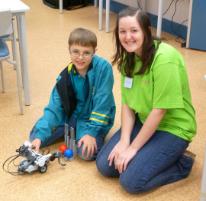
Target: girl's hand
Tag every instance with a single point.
(124, 158)
(89, 145)
(116, 151)
(36, 143)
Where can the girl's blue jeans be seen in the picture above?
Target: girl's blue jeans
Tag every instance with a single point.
(59, 134)
(160, 161)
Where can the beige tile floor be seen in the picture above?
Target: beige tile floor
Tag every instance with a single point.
(47, 33)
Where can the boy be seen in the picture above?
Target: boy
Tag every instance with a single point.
(82, 98)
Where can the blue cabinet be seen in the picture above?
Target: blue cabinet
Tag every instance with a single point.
(197, 39)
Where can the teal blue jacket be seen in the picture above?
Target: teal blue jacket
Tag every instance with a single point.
(97, 115)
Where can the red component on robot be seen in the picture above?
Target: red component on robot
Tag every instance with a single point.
(62, 148)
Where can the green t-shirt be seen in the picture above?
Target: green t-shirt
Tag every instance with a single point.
(164, 86)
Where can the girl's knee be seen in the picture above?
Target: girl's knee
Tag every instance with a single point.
(131, 186)
(103, 166)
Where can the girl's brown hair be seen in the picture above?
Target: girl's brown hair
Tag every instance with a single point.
(126, 60)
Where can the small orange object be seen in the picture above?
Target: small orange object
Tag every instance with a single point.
(62, 148)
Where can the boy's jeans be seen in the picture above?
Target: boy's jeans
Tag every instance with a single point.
(59, 133)
(160, 161)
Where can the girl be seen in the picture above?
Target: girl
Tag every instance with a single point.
(158, 119)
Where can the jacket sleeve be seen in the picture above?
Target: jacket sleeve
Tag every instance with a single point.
(103, 107)
(53, 116)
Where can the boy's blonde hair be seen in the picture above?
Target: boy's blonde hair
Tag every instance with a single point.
(83, 37)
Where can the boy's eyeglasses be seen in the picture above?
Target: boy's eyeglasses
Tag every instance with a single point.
(84, 55)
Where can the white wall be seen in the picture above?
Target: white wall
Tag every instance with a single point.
(132, 3)
(151, 6)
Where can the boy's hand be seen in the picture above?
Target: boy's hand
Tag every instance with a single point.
(89, 145)
(36, 144)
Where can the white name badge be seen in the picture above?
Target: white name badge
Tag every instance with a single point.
(128, 82)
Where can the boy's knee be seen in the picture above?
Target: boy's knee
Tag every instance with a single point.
(32, 135)
(84, 157)
(92, 158)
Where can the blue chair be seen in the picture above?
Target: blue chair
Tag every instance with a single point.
(6, 32)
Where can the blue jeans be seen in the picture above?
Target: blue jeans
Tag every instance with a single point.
(160, 161)
(59, 134)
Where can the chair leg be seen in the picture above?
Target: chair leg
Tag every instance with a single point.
(203, 184)
(2, 78)
(13, 44)
(13, 51)
(19, 88)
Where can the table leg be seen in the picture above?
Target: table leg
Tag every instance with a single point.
(61, 6)
(21, 27)
(107, 15)
(95, 3)
(100, 13)
(159, 20)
